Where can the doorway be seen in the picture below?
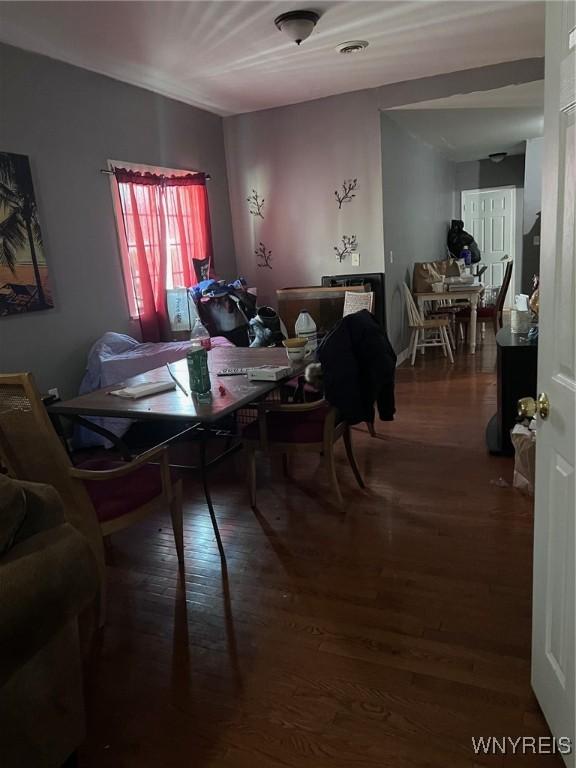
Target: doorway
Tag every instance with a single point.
(493, 217)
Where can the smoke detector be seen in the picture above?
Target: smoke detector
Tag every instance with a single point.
(352, 46)
(297, 25)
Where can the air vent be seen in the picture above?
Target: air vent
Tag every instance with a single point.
(352, 46)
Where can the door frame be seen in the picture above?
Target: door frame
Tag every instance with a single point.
(517, 227)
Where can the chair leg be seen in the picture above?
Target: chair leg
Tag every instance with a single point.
(414, 343)
(351, 457)
(441, 334)
(333, 475)
(451, 338)
(178, 523)
(447, 347)
(252, 477)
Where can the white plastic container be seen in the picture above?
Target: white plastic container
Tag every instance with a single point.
(519, 321)
(305, 328)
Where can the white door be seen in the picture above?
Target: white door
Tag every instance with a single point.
(489, 215)
(554, 596)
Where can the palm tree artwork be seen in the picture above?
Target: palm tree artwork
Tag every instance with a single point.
(24, 284)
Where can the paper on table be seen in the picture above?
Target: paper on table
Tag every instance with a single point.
(144, 390)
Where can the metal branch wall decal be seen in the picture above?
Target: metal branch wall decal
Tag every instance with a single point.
(349, 186)
(349, 245)
(264, 256)
(255, 204)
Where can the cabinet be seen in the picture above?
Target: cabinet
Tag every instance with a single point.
(517, 365)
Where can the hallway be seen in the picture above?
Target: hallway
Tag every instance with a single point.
(386, 636)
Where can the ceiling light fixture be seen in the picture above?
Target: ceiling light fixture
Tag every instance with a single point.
(352, 46)
(297, 25)
(497, 157)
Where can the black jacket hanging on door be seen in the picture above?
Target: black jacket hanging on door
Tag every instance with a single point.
(358, 368)
(458, 238)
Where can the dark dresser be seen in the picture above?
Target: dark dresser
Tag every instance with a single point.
(517, 365)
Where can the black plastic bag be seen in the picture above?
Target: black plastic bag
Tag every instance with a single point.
(458, 238)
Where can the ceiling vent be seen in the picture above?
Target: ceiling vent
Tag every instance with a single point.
(352, 46)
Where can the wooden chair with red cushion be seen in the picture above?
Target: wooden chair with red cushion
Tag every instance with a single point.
(296, 429)
(100, 496)
(492, 313)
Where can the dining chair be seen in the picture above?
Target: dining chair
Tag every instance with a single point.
(295, 429)
(101, 496)
(492, 313)
(431, 332)
(355, 302)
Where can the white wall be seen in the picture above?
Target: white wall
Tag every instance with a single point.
(69, 122)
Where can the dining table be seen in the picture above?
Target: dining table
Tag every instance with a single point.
(199, 419)
(468, 294)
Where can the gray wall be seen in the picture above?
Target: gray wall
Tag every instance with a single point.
(70, 121)
(484, 174)
(418, 203)
(532, 209)
(296, 157)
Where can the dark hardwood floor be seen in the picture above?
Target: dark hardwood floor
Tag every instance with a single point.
(385, 636)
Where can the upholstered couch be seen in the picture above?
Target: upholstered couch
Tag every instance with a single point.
(48, 579)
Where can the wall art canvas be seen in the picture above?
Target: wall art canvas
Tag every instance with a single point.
(24, 283)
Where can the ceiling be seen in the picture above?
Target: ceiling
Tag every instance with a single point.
(228, 57)
(522, 95)
(473, 132)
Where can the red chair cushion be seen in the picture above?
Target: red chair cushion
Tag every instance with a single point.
(307, 427)
(113, 498)
(481, 312)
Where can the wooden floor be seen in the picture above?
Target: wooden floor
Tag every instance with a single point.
(387, 636)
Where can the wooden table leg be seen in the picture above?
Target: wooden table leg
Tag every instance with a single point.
(473, 323)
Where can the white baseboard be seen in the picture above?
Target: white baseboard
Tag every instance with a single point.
(404, 355)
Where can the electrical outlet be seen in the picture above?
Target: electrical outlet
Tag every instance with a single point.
(54, 393)
(355, 258)
(536, 240)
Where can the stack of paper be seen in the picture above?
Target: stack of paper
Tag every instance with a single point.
(144, 390)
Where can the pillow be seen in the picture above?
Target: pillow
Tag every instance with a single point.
(12, 512)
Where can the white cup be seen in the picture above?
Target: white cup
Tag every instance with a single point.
(296, 354)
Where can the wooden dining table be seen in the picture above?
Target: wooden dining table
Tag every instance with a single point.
(470, 294)
(205, 419)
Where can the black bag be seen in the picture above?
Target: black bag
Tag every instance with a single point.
(458, 238)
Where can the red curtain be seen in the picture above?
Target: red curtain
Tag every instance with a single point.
(167, 227)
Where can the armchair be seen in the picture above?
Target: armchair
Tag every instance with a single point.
(48, 581)
(101, 496)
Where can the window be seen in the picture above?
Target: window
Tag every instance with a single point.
(164, 232)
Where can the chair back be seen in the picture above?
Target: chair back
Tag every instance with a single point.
(414, 316)
(501, 298)
(31, 450)
(356, 302)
